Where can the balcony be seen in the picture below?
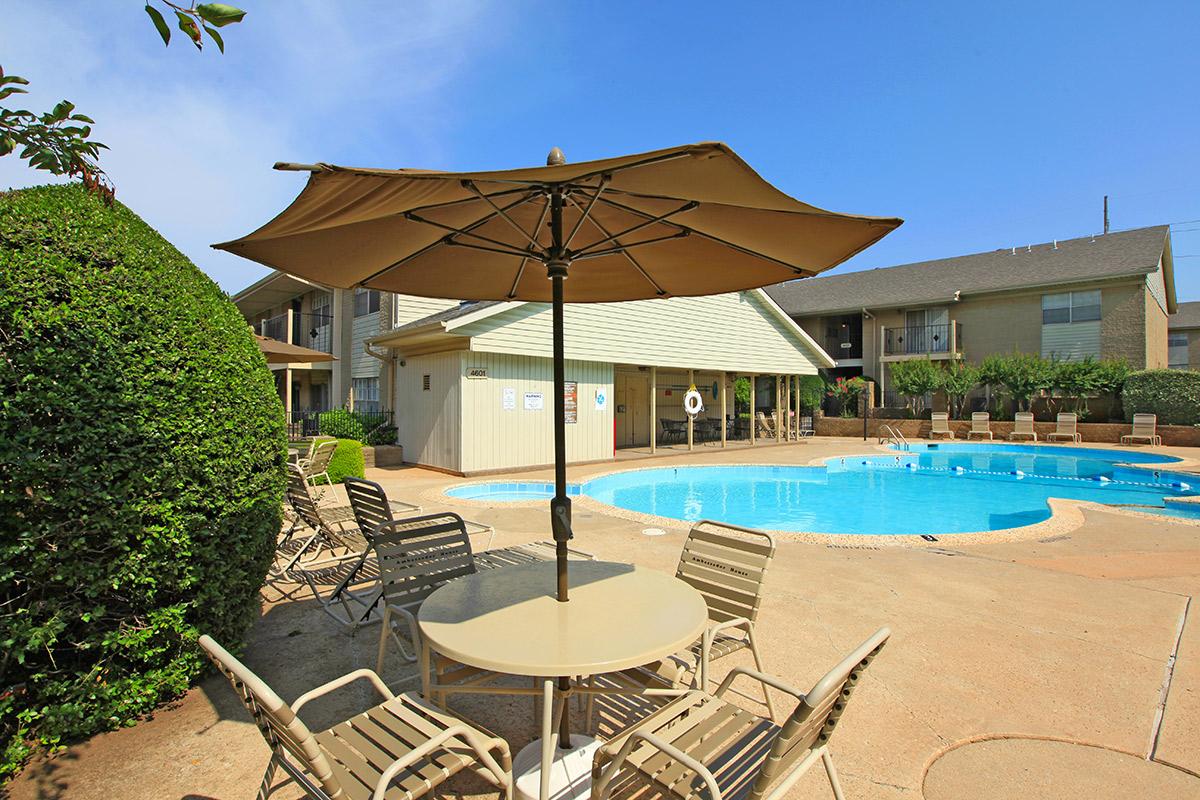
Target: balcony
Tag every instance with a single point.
(314, 331)
(914, 341)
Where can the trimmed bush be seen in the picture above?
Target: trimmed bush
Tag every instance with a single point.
(1172, 394)
(343, 424)
(347, 461)
(142, 452)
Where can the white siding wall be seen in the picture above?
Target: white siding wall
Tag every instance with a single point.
(495, 438)
(361, 364)
(406, 308)
(1155, 282)
(733, 332)
(429, 422)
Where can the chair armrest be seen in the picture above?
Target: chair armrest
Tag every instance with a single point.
(481, 746)
(737, 622)
(763, 678)
(600, 789)
(337, 683)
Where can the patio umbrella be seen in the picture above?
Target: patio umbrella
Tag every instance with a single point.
(278, 352)
(684, 221)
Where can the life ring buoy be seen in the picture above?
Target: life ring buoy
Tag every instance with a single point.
(693, 403)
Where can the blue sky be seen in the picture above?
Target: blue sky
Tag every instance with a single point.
(983, 125)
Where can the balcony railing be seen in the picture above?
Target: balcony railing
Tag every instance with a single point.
(314, 331)
(923, 339)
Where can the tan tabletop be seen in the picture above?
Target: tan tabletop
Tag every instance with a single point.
(508, 620)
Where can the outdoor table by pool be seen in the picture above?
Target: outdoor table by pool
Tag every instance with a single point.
(509, 621)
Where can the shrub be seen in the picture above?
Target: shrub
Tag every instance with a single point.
(343, 424)
(1172, 394)
(845, 392)
(1019, 376)
(347, 461)
(957, 381)
(811, 390)
(914, 379)
(142, 448)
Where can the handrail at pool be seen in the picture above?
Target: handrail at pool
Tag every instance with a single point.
(894, 437)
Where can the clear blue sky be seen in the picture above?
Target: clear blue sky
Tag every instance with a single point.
(983, 125)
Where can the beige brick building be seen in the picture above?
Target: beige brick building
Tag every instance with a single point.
(1183, 337)
(1105, 296)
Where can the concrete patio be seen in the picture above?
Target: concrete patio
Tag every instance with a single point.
(1033, 669)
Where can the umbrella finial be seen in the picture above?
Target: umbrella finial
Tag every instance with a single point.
(556, 157)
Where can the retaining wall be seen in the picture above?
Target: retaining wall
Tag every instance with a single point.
(1107, 432)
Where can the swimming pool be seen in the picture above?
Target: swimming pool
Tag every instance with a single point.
(929, 489)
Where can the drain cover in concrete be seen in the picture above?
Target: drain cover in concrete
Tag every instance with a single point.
(653, 532)
(1029, 769)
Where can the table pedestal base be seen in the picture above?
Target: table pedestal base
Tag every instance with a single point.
(570, 770)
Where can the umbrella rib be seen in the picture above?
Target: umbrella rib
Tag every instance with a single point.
(585, 212)
(449, 242)
(621, 248)
(718, 239)
(512, 291)
(658, 289)
(471, 186)
(458, 231)
(432, 245)
(450, 203)
(647, 223)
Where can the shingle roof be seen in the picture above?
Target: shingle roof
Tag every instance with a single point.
(1072, 260)
(461, 310)
(1188, 316)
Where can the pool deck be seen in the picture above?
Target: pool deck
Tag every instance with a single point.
(1048, 667)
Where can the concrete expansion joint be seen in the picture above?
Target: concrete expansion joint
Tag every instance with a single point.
(1165, 690)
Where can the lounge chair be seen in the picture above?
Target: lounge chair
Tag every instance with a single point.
(806, 427)
(940, 425)
(727, 565)
(418, 555)
(317, 465)
(1023, 426)
(1066, 429)
(327, 523)
(1144, 429)
(766, 425)
(981, 425)
(702, 746)
(401, 749)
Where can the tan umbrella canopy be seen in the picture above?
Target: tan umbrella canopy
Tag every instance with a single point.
(278, 352)
(689, 220)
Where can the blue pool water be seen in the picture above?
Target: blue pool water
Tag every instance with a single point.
(935, 489)
(507, 492)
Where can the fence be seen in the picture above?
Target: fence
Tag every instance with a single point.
(307, 423)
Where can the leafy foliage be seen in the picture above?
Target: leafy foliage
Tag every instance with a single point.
(347, 461)
(915, 379)
(1018, 376)
(957, 381)
(371, 428)
(846, 392)
(1172, 394)
(811, 390)
(194, 18)
(142, 451)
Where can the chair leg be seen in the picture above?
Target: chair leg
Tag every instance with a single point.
(758, 665)
(831, 771)
(384, 632)
(264, 788)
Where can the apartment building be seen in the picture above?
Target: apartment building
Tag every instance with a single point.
(1183, 337)
(1105, 296)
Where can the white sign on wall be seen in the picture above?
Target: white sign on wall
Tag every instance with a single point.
(601, 400)
(534, 401)
(509, 400)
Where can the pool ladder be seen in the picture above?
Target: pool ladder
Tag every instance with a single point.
(893, 437)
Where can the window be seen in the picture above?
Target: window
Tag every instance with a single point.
(1068, 307)
(366, 394)
(1177, 350)
(366, 301)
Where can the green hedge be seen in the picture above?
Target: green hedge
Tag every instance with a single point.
(347, 461)
(1172, 394)
(142, 452)
(364, 427)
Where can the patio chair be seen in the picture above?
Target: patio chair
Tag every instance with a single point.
(806, 427)
(673, 429)
(401, 749)
(372, 508)
(1023, 426)
(1144, 429)
(1065, 429)
(981, 425)
(940, 425)
(418, 555)
(766, 425)
(727, 565)
(327, 523)
(701, 746)
(316, 466)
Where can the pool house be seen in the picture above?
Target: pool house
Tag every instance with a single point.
(471, 385)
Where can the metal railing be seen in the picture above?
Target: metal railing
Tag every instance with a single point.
(889, 435)
(308, 422)
(311, 330)
(922, 339)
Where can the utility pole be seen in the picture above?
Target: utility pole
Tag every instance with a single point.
(1106, 213)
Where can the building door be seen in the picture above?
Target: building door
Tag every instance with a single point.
(633, 409)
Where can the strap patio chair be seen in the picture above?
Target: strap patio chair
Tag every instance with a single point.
(372, 508)
(806, 428)
(727, 565)
(766, 425)
(702, 747)
(317, 465)
(327, 523)
(1023, 426)
(401, 749)
(940, 425)
(1144, 429)
(981, 425)
(1066, 429)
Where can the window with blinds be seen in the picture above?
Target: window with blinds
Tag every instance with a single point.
(1071, 325)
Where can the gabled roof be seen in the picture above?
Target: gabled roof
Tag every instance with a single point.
(268, 292)
(1188, 316)
(1090, 258)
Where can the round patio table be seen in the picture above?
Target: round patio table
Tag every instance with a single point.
(509, 621)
